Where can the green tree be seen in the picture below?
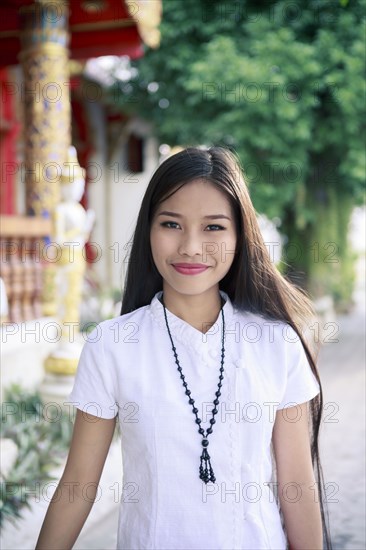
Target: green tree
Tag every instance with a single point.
(283, 84)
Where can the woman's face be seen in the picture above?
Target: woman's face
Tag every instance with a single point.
(190, 236)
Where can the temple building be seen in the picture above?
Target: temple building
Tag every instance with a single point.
(73, 171)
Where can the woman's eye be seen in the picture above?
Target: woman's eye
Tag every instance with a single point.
(165, 224)
(219, 226)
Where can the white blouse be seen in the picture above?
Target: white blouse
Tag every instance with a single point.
(127, 367)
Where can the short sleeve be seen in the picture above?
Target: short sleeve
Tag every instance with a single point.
(301, 384)
(93, 390)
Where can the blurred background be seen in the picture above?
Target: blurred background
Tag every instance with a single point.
(94, 95)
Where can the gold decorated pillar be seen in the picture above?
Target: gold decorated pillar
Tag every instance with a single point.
(44, 59)
(47, 120)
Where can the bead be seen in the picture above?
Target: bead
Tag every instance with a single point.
(214, 411)
(218, 393)
(205, 442)
(198, 421)
(212, 421)
(221, 377)
(195, 410)
(209, 431)
(188, 392)
(191, 401)
(201, 431)
(216, 402)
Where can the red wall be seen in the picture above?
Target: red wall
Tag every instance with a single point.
(9, 128)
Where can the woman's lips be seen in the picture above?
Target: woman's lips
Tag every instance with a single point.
(189, 270)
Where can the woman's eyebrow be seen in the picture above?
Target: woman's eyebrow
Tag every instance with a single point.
(210, 217)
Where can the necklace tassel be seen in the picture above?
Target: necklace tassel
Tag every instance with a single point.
(206, 471)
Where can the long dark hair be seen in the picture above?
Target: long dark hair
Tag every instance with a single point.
(253, 282)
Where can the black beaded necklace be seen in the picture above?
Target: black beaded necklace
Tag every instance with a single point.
(205, 470)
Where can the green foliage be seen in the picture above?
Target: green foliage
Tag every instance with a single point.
(42, 435)
(277, 81)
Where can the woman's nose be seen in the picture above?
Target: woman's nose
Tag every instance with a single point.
(191, 244)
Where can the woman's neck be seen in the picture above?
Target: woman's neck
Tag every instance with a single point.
(201, 312)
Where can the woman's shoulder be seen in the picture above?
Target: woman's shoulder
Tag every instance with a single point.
(264, 331)
(110, 327)
(251, 317)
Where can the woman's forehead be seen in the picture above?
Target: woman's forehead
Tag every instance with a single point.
(200, 188)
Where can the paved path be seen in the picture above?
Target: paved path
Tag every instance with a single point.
(342, 369)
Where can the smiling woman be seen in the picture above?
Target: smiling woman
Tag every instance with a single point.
(211, 399)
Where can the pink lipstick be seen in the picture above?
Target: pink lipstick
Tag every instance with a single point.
(190, 269)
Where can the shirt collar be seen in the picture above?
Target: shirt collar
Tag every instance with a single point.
(186, 333)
